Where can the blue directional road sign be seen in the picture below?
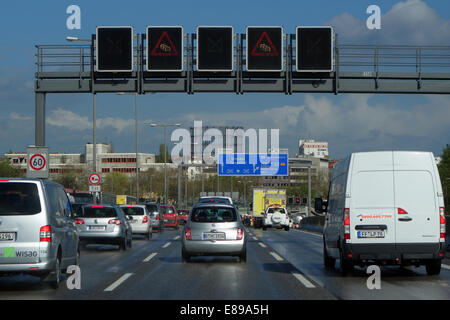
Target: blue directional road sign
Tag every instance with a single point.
(240, 164)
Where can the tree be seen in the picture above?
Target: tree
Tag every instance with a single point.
(73, 179)
(7, 170)
(444, 173)
(116, 183)
(160, 156)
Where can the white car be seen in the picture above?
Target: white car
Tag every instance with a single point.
(276, 217)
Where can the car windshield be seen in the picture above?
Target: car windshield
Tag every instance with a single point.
(99, 212)
(213, 214)
(167, 210)
(215, 200)
(133, 211)
(19, 199)
(273, 210)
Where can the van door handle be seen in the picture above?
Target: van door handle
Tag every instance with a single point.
(405, 219)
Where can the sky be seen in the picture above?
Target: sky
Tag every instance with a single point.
(349, 122)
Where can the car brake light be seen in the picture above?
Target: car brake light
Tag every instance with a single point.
(45, 234)
(157, 217)
(347, 224)
(97, 207)
(79, 221)
(442, 222)
(115, 221)
(401, 211)
(240, 234)
(145, 220)
(187, 234)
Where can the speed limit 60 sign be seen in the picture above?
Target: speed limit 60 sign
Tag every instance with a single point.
(37, 162)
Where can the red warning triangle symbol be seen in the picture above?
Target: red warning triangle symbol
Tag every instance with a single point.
(264, 47)
(164, 46)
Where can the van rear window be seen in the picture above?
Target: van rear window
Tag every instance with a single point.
(213, 214)
(17, 198)
(99, 212)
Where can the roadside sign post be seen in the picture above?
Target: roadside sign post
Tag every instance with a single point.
(37, 162)
(94, 181)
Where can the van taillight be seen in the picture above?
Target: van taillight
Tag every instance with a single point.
(79, 221)
(145, 220)
(157, 217)
(240, 234)
(442, 222)
(187, 234)
(347, 224)
(401, 211)
(45, 234)
(115, 221)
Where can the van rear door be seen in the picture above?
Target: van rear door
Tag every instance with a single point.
(372, 207)
(417, 210)
(21, 206)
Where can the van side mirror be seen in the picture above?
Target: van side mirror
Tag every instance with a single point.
(318, 205)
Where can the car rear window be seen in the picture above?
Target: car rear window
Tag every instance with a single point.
(133, 211)
(215, 200)
(273, 210)
(19, 199)
(167, 210)
(213, 214)
(99, 212)
(152, 208)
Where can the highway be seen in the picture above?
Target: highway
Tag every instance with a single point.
(280, 266)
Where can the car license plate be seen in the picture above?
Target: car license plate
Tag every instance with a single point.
(371, 234)
(7, 236)
(97, 228)
(214, 236)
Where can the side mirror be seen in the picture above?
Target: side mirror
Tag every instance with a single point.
(318, 205)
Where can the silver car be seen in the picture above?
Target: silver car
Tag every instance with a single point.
(37, 235)
(213, 230)
(104, 224)
(142, 220)
(157, 219)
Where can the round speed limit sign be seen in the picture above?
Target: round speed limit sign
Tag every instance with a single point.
(37, 162)
(94, 179)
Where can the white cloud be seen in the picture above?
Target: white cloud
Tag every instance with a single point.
(16, 116)
(411, 22)
(73, 121)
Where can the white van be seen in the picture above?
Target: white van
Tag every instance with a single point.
(385, 208)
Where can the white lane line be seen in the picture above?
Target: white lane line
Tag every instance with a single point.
(313, 234)
(119, 282)
(445, 266)
(150, 257)
(177, 237)
(276, 256)
(303, 280)
(262, 245)
(166, 245)
(255, 238)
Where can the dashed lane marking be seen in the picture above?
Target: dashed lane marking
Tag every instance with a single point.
(276, 256)
(150, 257)
(119, 282)
(303, 280)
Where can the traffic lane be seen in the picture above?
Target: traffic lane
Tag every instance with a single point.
(166, 277)
(97, 263)
(304, 250)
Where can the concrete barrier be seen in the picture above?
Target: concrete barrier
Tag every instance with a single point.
(313, 223)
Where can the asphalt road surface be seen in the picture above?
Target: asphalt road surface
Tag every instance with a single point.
(154, 270)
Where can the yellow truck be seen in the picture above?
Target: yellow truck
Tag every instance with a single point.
(263, 198)
(124, 199)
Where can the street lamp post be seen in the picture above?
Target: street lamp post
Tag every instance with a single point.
(164, 126)
(137, 141)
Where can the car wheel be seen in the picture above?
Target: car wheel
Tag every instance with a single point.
(327, 260)
(185, 257)
(286, 228)
(346, 265)
(243, 257)
(123, 244)
(433, 267)
(54, 283)
(264, 228)
(149, 234)
(130, 242)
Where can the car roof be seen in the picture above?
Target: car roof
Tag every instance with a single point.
(208, 204)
